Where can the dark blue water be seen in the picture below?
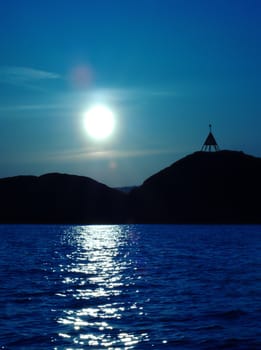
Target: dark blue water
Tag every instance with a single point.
(130, 287)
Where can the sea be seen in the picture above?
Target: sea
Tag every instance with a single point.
(130, 287)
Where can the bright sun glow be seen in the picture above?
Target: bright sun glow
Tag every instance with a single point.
(99, 122)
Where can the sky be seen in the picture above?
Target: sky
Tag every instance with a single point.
(165, 68)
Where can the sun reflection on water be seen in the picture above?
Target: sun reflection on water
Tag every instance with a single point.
(100, 292)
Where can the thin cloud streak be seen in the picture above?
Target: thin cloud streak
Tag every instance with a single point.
(121, 94)
(73, 100)
(83, 154)
(25, 76)
(30, 107)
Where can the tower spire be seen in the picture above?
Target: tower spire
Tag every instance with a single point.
(210, 142)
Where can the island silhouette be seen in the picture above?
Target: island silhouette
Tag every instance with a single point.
(203, 187)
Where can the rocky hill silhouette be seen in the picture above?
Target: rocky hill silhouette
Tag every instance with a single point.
(204, 187)
(59, 198)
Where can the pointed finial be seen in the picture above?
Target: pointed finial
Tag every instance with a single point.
(210, 126)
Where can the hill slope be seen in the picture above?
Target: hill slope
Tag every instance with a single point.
(59, 198)
(218, 187)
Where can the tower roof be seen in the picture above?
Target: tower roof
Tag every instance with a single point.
(210, 142)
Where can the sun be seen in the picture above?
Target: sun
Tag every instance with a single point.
(99, 122)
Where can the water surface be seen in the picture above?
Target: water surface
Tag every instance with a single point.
(129, 287)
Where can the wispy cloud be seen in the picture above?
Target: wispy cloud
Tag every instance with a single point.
(25, 76)
(127, 96)
(131, 93)
(62, 99)
(83, 154)
(30, 107)
(77, 102)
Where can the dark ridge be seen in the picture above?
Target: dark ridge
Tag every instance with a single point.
(59, 198)
(204, 187)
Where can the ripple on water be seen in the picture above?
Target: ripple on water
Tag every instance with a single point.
(99, 311)
(129, 287)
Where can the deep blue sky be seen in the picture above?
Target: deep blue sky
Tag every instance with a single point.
(167, 68)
